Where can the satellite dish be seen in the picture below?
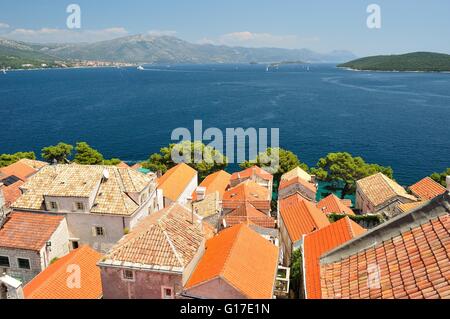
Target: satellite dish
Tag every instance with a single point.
(106, 174)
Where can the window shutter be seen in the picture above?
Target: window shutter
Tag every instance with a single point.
(94, 232)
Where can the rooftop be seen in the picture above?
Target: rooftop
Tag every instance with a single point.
(23, 169)
(175, 181)
(247, 192)
(28, 231)
(427, 189)
(406, 257)
(52, 283)
(216, 182)
(320, 242)
(243, 259)
(12, 192)
(379, 188)
(301, 217)
(164, 240)
(248, 214)
(297, 172)
(334, 205)
(111, 194)
(284, 183)
(252, 171)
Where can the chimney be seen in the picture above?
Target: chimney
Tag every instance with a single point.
(448, 183)
(201, 193)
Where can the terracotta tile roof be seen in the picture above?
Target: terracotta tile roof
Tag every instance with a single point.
(297, 172)
(407, 257)
(334, 205)
(28, 230)
(174, 181)
(427, 189)
(12, 192)
(123, 165)
(22, 169)
(247, 192)
(164, 240)
(216, 182)
(301, 217)
(52, 282)
(248, 214)
(249, 172)
(242, 258)
(284, 183)
(111, 195)
(318, 243)
(379, 188)
(406, 208)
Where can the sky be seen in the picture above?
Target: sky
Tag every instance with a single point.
(320, 25)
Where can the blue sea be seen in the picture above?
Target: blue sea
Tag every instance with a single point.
(396, 119)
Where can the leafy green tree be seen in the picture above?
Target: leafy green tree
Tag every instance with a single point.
(202, 158)
(86, 155)
(344, 168)
(59, 153)
(286, 160)
(8, 159)
(441, 177)
(112, 162)
(296, 270)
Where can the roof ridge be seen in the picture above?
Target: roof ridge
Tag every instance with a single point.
(172, 245)
(231, 250)
(59, 268)
(392, 228)
(388, 181)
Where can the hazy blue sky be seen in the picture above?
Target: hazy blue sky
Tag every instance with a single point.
(322, 25)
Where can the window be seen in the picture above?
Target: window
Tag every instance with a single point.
(99, 231)
(128, 275)
(167, 293)
(23, 263)
(75, 244)
(53, 205)
(4, 261)
(79, 206)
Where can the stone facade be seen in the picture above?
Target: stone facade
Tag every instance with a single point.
(38, 260)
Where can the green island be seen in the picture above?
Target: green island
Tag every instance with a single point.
(412, 62)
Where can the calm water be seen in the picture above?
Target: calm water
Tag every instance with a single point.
(397, 119)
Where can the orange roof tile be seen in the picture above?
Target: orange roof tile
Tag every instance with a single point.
(12, 192)
(242, 258)
(123, 165)
(297, 180)
(28, 230)
(247, 192)
(320, 242)
(19, 169)
(379, 188)
(301, 217)
(52, 282)
(136, 166)
(404, 258)
(255, 170)
(406, 208)
(166, 238)
(216, 182)
(175, 181)
(333, 205)
(247, 213)
(427, 189)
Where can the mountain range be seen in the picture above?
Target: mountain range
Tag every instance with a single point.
(141, 49)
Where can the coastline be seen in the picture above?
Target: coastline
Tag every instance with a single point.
(389, 71)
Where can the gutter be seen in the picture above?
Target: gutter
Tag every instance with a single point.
(304, 268)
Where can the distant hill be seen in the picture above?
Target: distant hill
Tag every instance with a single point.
(165, 49)
(418, 61)
(15, 54)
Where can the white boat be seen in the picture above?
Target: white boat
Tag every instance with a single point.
(140, 68)
(4, 71)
